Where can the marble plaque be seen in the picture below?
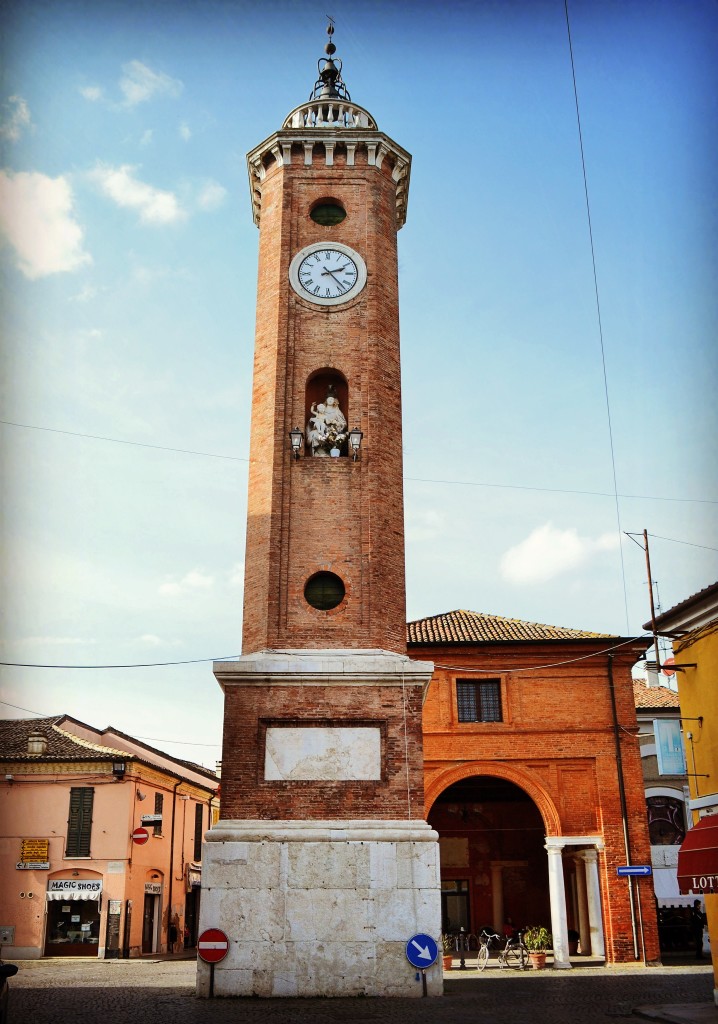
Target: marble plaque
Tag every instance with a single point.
(329, 754)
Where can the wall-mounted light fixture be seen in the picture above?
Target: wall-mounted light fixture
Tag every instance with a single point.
(141, 796)
(355, 437)
(296, 437)
(118, 769)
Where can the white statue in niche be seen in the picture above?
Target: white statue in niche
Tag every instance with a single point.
(327, 426)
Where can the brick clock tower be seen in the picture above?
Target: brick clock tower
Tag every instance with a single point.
(322, 867)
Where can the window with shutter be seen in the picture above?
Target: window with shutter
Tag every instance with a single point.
(79, 823)
(159, 800)
(198, 819)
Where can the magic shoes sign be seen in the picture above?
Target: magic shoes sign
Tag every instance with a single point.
(74, 888)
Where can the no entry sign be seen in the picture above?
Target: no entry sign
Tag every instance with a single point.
(140, 836)
(212, 946)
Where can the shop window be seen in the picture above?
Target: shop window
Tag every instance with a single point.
(198, 820)
(479, 700)
(79, 823)
(159, 800)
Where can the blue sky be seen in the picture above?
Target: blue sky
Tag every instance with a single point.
(129, 273)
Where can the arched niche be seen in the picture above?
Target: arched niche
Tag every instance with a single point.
(321, 385)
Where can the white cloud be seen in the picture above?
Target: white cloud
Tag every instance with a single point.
(194, 580)
(547, 552)
(36, 219)
(15, 117)
(211, 195)
(185, 132)
(93, 93)
(146, 137)
(235, 576)
(140, 83)
(85, 294)
(423, 526)
(155, 206)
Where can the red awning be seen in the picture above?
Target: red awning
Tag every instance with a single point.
(698, 857)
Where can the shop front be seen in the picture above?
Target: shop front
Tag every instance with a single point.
(73, 916)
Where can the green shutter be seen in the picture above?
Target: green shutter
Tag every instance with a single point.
(79, 823)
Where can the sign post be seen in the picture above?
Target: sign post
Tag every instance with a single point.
(212, 946)
(421, 952)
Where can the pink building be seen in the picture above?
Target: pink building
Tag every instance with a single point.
(73, 881)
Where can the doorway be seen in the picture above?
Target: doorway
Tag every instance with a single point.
(150, 923)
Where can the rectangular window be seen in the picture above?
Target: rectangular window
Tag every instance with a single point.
(479, 700)
(79, 823)
(198, 830)
(159, 800)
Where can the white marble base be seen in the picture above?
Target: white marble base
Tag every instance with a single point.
(320, 908)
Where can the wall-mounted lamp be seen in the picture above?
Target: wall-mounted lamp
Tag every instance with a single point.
(296, 437)
(355, 437)
(141, 796)
(118, 769)
(9, 778)
(76, 874)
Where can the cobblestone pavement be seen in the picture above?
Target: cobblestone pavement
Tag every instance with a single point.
(162, 992)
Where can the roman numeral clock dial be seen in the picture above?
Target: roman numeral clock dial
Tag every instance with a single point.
(327, 274)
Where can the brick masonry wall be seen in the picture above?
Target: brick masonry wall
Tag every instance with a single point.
(321, 514)
(556, 741)
(249, 710)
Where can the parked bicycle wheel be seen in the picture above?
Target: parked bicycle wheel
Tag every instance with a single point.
(483, 957)
(515, 956)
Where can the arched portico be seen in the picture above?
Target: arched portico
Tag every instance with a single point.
(500, 828)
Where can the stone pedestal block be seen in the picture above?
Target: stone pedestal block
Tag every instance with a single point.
(320, 908)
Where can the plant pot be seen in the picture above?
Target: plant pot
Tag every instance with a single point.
(447, 961)
(537, 961)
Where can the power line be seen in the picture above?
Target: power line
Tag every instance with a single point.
(118, 440)
(688, 542)
(408, 479)
(147, 664)
(461, 668)
(598, 315)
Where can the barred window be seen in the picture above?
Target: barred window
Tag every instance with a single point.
(79, 822)
(479, 700)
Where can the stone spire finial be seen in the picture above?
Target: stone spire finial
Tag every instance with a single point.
(330, 85)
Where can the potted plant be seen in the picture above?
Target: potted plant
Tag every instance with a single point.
(448, 944)
(537, 940)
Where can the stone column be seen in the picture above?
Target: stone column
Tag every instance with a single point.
(584, 928)
(557, 894)
(593, 896)
(497, 896)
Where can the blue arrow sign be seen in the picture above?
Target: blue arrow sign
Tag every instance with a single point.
(421, 951)
(635, 869)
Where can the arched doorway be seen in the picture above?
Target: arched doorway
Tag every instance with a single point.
(493, 858)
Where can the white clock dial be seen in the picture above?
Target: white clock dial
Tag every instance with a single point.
(327, 274)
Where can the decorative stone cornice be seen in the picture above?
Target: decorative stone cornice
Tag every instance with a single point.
(296, 144)
(320, 667)
(340, 831)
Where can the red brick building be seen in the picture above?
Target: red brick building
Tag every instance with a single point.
(533, 780)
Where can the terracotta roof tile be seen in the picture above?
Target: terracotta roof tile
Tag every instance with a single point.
(462, 626)
(14, 734)
(654, 696)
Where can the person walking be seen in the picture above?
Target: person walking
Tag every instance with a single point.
(698, 920)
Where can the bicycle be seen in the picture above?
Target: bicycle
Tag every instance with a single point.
(514, 954)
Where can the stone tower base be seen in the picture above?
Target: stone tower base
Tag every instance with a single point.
(320, 908)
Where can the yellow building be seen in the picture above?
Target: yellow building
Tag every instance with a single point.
(692, 625)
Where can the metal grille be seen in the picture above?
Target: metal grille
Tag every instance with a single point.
(479, 700)
(159, 800)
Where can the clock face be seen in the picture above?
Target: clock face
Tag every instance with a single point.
(327, 274)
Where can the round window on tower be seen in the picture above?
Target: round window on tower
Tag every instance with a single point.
(327, 212)
(324, 591)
